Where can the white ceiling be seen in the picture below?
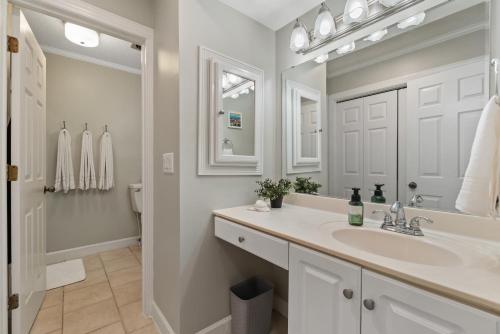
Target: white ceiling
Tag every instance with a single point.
(273, 13)
(49, 32)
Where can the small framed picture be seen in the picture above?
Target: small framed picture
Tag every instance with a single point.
(234, 120)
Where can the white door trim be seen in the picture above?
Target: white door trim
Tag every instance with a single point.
(81, 12)
(3, 161)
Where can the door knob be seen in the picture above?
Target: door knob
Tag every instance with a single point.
(348, 293)
(369, 304)
(48, 189)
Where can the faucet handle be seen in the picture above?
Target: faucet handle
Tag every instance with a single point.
(415, 224)
(387, 217)
(396, 206)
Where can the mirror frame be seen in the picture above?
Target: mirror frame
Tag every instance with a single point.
(211, 161)
(295, 162)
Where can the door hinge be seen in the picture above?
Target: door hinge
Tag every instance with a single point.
(13, 302)
(12, 44)
(12, 172)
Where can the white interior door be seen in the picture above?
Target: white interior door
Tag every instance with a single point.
(443, 111)
(380, 147)
(28, 153)
(349, 151)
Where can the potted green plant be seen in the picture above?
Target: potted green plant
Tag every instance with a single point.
(305, 185)
(274, 191)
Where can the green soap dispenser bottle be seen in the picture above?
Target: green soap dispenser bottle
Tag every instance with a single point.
(355, 210)
(378, 194)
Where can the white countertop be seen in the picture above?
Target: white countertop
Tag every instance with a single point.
(475, 280)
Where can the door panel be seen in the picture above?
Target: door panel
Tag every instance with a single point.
(349, 151)
(380, 144)
(28, 152)
(400, 308)
(317, 303)
(443, 111)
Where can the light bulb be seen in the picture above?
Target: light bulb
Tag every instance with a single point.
(412, 21)
(389, 3)
(324, 25)
(355, 11)
(321, 59)
(235, 96)
(376, 36)
(245, 91)
(346, 48)
(80, 35)
(299, 39)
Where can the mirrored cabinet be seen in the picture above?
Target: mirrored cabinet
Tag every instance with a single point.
(230, 116)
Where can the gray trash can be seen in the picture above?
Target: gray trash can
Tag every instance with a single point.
(252, 306)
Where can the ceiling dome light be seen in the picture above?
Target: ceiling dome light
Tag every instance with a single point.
(325, 24)
(389, 3)
(80, 35)
(412, 21)
(300, 38)
(321, 59)
(355, 11)
(346, 48)
(376, 36)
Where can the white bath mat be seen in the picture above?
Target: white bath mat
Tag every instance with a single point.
(65, 273)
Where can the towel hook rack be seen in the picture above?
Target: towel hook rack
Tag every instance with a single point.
(64, 125)
(105, 128)
(86, 126)
(495, 62)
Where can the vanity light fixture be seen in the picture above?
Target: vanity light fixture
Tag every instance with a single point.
(346, 48)
(355, 11)
(376, 36)
(80, 35)
(389, 3)
(321, 59)
(414, 20)
(300, 38)
(324, 25)
(245, 91)
(235, 96)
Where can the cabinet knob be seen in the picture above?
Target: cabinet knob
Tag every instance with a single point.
(369, 304)
(348, 293)
(241, 239)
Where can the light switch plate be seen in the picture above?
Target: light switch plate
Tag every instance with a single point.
(168, 163)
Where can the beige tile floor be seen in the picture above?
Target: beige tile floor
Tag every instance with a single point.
(108, 301)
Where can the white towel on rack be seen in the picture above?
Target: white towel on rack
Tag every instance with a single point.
(106, 181)
(87, 170)
(481, 184)
(65, 179)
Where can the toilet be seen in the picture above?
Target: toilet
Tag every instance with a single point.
(135, 191)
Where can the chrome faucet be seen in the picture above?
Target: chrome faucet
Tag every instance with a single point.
(400, 221)
(399, 224)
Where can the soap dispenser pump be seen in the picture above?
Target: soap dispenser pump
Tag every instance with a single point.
(378, 194)
(355, 210)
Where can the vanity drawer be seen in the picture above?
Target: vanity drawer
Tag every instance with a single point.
(265, 246)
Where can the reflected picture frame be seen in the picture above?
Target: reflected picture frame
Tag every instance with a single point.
(235, 120)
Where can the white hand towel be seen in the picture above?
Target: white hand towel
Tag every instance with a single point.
(65, 179)
(481, 184)
(106, 181)
(87, 170)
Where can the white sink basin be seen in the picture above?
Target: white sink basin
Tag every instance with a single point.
(398, 247)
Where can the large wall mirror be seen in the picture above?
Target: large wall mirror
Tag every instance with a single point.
(231, 116)
(402, 107)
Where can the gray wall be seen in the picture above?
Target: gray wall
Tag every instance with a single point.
(313, 75)
(136, 10)
(80, 92)
(210, 266)
(166, 139)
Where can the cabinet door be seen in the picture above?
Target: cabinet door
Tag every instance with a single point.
(399, 308)
(317, 303)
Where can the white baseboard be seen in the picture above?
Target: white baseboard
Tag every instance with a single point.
(79, 252)
(223, 326)
(160, 321)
